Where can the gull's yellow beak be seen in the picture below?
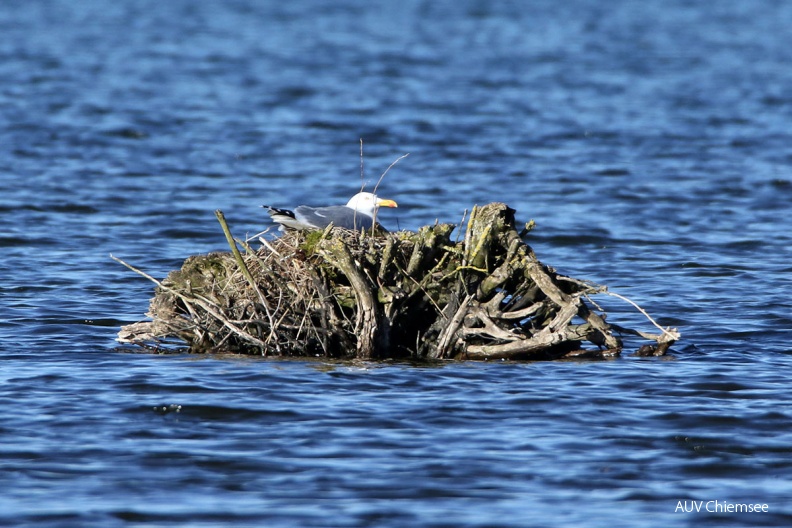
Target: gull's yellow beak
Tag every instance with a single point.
(386, 203)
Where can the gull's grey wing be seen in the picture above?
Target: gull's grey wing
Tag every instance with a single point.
(338, 215)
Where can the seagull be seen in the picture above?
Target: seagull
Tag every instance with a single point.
(357, 214)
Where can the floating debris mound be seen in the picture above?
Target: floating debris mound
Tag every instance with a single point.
(343, 294)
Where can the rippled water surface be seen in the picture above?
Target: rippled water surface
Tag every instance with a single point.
(650, 141)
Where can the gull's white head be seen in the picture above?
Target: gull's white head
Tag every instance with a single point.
(367, 203)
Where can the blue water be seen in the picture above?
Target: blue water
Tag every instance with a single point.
(650, 141)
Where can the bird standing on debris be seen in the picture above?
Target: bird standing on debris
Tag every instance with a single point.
(359, 213)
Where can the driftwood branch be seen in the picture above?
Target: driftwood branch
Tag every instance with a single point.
(370, 337)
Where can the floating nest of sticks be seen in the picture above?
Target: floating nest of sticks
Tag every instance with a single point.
(343, 294)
